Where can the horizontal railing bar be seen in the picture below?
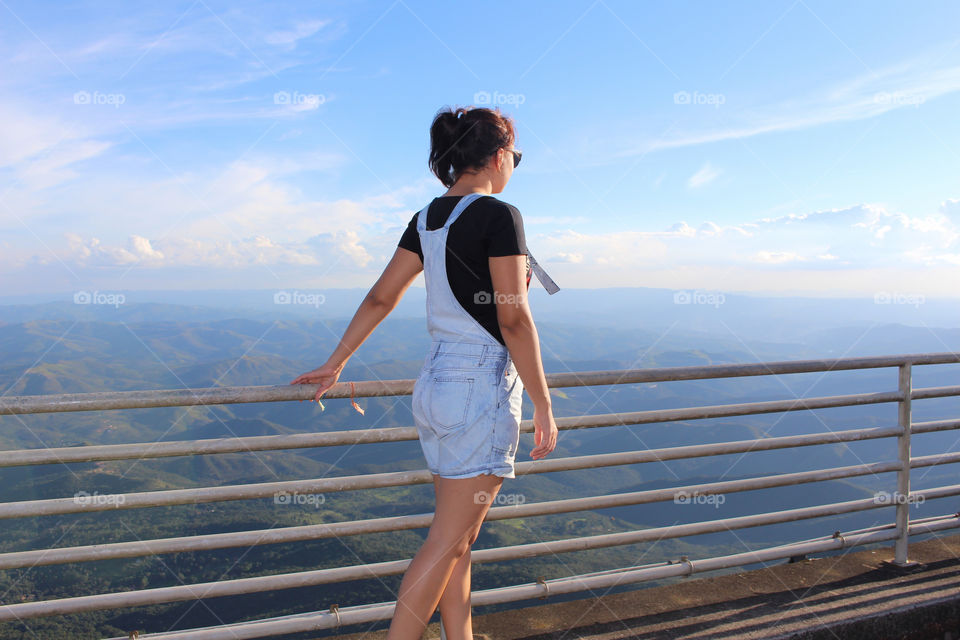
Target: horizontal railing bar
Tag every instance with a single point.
(921, 393)
(345, 616)
(137, 450)
(286, 581)
(890, 525)
(934, 425)
(207, 542)
(678, 568)
(696, 528)
(367, 388)
(681, 568)
(310, 532)
(935, 459)
(686, 452)
(108, 502)
(394, 434)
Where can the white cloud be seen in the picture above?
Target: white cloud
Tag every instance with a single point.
(829, 252)
(575, 258)
(713, 229)
(824, 252)
(300, 31)
(778, 257)
(704, 176)
(618, 249)
(341, 249)
(906, 85)
(91, 252)
(846, 239)
(41, 149)
(238, 218)
(951, 210)
(555, 219)
(55, 165)
(682, 229)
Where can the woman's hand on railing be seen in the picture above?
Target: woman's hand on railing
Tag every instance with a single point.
(544, 433)
(326, 376)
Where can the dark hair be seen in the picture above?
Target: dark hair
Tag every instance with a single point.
(465, 139)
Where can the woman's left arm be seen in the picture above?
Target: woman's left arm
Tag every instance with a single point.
(382, 298)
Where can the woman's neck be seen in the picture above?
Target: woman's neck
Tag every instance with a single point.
(471, 184)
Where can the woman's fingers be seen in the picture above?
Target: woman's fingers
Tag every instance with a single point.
(307, 378)
(322, 389)
(544, 445)
(312, 377)
(321, 377)
(538, 452)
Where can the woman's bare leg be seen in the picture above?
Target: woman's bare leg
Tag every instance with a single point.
(455, 602)
(462, 505)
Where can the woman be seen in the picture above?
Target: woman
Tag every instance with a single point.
(484, 351)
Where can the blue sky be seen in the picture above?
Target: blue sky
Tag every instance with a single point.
(778, 147)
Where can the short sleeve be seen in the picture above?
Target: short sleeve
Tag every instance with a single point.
(505, 235)
(410, 240)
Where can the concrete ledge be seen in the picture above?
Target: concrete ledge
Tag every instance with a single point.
(856, 595)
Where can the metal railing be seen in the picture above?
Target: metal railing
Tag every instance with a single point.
(898, 531)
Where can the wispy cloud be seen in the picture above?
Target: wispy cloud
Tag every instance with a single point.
(906, 85)
(301, 30)
(704, 176)
(40, 150)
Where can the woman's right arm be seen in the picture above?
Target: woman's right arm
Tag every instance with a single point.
(523, 342)
(383, 298)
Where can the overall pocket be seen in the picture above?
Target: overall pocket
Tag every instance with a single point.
(449, 402)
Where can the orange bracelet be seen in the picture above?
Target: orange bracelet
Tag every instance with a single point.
(354, 402)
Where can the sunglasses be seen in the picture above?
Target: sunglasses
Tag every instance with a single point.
(516, 157)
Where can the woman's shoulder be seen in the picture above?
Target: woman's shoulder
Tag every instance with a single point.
(495, 201)
(503, 226)
(500, 208)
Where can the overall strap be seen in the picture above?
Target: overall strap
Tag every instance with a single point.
(422, 219)
(542, 276)
(463, 204)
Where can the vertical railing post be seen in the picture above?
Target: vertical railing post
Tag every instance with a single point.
(903, 476)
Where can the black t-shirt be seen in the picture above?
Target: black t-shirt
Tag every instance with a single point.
(488, 227)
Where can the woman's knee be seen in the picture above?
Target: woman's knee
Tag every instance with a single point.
(448, 538)
(455, 547)
(475, 532)
(462, 547)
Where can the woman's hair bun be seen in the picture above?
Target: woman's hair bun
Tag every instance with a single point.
(464, 138)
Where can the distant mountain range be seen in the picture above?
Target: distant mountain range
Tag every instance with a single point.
(207, 339)
(783, 319)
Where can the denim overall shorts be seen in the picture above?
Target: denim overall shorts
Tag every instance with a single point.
(467, 399)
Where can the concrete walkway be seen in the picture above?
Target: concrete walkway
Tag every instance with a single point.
(841, 597)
